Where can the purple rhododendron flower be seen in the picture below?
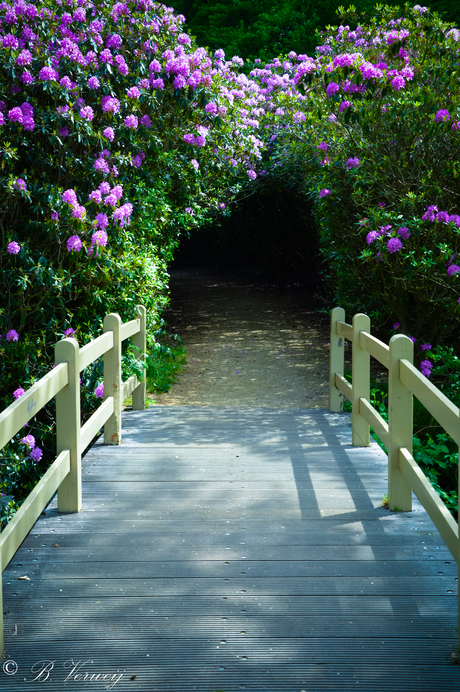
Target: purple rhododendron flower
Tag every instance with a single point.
(101, 221)
(12, 335)
(66, 82)
(442, 116)
(28, 440)
(131, 121)
(426, 367)
(396, 325)
(430, 214)
(70, 196)
(252, 174)
(15, 115)
(104, 187)
(371, 236)
(332, 89)
(99, 238)
(453, 269)
(74, 244)
(79, 212)
(324, 192)
(109, 133)
(133, 93)
(48, 74)
(20, 184)
(426, 347)
(398, 82)
(18, 392)
(110, 104)
(394, 245)
(442, 216)
(36, 454)
(24, 58)
(403, 231)
(322, 146)
(27, 78)
(117, 190)
(99, 391)
(101, 165)
(145, 121)
(87, 113)
(69, 331)
(344, 104)
(352, 163)
(94, 83)
(96, 196)
(13, 248)
(111, 200)
(54, 216)
(299, 117)
(64, 131)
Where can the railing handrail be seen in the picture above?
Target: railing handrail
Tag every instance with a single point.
(404, 381)
(62, 382)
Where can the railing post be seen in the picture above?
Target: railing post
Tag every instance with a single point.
(112, 380)
(400, 423)
(336, 360)
(68, 424)
(140, 343)
(360, 375)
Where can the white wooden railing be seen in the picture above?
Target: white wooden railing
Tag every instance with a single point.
(62, 382)
(404, 381)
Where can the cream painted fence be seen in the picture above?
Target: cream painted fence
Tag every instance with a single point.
(404, 381)
(62, 382)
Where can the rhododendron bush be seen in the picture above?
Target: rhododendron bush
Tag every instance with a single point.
(115, 133)
(378, 150)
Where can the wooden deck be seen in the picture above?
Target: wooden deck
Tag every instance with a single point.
(232, 549)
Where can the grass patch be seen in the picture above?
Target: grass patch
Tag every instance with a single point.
(165, 361)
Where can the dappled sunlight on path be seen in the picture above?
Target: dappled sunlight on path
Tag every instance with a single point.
(246, 344)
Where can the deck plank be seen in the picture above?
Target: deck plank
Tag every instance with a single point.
(229, 549)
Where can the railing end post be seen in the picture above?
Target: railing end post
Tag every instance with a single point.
(336, 360)
(68, 423)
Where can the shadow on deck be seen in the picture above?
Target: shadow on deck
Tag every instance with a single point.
(232, 549)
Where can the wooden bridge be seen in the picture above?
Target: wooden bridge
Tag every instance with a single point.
(232, 549)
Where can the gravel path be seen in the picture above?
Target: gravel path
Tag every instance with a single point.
(246, 344)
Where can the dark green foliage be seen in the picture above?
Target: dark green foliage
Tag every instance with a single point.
(266, 28)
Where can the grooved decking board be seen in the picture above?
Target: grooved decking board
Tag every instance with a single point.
(232, 549)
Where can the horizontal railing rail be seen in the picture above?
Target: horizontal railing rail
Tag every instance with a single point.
(404, 382)
(63, 382)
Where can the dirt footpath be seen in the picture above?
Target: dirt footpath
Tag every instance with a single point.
(246, 344)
